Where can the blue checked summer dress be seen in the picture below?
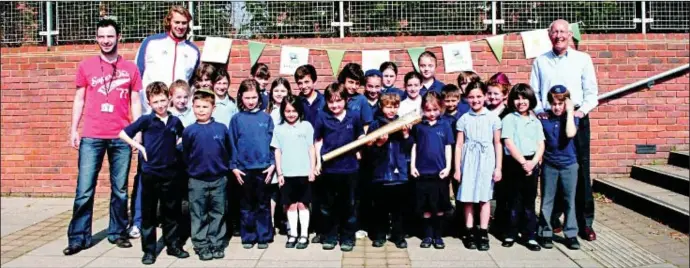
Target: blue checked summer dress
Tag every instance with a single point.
(478, 155)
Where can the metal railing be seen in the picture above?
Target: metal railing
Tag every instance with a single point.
(25, 22)
(417, 16)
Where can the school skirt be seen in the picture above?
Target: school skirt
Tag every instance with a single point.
(431, 194)
(296, 189)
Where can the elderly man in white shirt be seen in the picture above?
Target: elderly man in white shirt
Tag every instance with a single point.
(574, 70)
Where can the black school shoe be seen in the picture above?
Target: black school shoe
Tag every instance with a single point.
(262, 245)
(508, 242)
(546, 242)
(121, 242)
(378, 243)
(532, 245)
(148, 259)
(71, 250)
(347, 246)
(469, 240)
(318, 239)
(218, 253)
(177, 252)
(291, 242)
(572, 243)
(483, 240)
(401, 243)
(302, 242)
(205, 254)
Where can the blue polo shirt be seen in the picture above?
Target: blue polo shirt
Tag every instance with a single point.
(463, 106)
(431, 141)
(359, 107)
(336, 133)
(250, 137)
(311, 110)
(435, 86)
(374, 108)
(294, 142)
(159, 140)
(207, 150)
(560, 150)
(395, 90)
(452, 119)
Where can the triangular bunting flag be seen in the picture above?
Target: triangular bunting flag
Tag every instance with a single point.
(575, 28)
(496, 44)
(335, 57)
(255, 49)
(414, 55)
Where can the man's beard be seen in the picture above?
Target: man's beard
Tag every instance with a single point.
(184, 35)
(112, 51)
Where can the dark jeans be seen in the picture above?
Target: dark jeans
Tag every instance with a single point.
(207, 206)
(255, 207)
(166, 191)
(552, 179)
(135, 200)
(584, 200)
(520, 195)
(91, 153)
(388, 201)
(337, 201)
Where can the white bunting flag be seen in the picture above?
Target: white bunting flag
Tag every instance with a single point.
(536, 42)
(457, 57)
(216, 49)
(291, 58)
(372, 59)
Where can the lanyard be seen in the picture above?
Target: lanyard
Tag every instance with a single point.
(112, 77)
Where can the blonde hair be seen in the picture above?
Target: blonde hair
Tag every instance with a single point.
(179, 10)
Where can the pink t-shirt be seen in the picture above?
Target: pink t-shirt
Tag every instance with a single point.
(105, 84)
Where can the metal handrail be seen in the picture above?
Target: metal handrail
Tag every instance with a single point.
(647, 81)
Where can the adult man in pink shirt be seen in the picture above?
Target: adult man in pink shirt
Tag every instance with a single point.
(107, 92)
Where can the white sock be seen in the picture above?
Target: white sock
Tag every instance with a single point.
(292, 220)
(304, 222)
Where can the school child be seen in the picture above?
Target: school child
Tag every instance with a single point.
(389, 155)
(351, 76)
(312, 100)
(313, 103)
(225, 107)
(413, 101)
(202, 77)
(160, 133)
(206, 147)
(372, 89)
(430, 166)
(295, 156)
(252, 164)
(280, 88)
(179, 92)
(179, 99)
(427, 67)
(560, 167)
(335, 127)
(389, 72)
(261, 74)
(478, 160)
(498, 86)
(523, 136)
(464, 78)
(450, 94)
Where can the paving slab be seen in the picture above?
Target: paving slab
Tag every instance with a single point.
(49, 261)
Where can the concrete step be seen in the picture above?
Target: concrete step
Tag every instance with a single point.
(673, 178)
(679, 159)
(660, 204)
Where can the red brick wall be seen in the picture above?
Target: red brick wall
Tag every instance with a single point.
(38, 87)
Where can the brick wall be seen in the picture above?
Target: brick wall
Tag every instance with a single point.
(38, 85)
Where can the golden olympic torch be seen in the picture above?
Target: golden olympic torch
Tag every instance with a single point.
(412, 118)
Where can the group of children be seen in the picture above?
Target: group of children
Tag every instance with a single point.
(245, 161)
